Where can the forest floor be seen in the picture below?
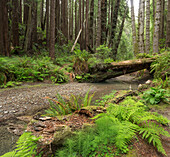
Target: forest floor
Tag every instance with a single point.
(29, 99)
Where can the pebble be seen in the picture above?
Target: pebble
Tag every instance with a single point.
(5, 112)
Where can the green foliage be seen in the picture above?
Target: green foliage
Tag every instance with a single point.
(135, 113)
(104, 100)
(29, 69)
(108, 60)
(64, 107)
(103, 52)
(117, 127)
(26, 146)
(155, 95)
(10, 84)
(143, 55)
(161, 66)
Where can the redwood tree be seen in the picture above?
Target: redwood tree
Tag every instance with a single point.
(15, 22)
(52, 29)
(168, 26)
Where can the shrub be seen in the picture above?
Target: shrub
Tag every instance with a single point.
(26, 146)
(117, 127)
(161, 66)
(63, 107)
(155, 95)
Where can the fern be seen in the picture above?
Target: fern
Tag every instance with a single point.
(131, 117)
(26, 146)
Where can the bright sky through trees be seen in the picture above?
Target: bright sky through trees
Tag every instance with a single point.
(136, 6)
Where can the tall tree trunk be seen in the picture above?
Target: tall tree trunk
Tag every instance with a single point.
(1, 30)
(70, 20)
(157, 27)
(26, 11)
(34, 21)
(147, 26)
(103, 20)
(83, 26)
(120, 34)
(114, 22)
(42, 15)
(52, 30)
(66, 20)
(168, 26)
(161, 36)
(15, 21)
(91, 23)
(4, 33)
(87, 25)
(98, 39)
(141, 29)
(80, 24)
(135, 43)
(28, 40)
(47, 22)
(20, 11)
(139, 10)
(76, 29)
(153, 5)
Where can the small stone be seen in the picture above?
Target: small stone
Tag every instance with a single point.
(148, 82)
(5, 112)
(38, 128)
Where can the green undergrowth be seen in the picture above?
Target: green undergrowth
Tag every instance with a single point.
(26, 146)
(66, 105)
(114, 131)
(22, 69)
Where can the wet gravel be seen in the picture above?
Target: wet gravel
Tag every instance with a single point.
(30, 99)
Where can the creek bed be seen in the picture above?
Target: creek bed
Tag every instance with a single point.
(8, 140)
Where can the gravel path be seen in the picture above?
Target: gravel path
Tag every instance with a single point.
(28, 99)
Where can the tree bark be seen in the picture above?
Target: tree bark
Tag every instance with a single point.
(4, 32)
(98, 38)
(34, 21)
(28, 40)
(114, 22)
(157, 27)
(120, 34)
(168, 26)
(52, 30)
(147, 26)
(47, 22)
(70, 20)
(161, 36)
(15, 21)
(76, 30)
(87, 25)
(80, 24)
(91, 23)
(20, 11)
(135, 43)
(103, 20)
(26, 10)
(42, 15)
(141, 29)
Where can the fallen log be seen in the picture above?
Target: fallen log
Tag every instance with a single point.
(102, 72)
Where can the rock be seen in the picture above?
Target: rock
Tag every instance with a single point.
(148, 82)
(142, 86)
(39, 124)
(38, 128)
(26, 119)
(45, 118)
(5, 112)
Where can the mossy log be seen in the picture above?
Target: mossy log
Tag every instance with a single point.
(102, 72)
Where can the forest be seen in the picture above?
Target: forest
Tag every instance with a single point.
(84, 78)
